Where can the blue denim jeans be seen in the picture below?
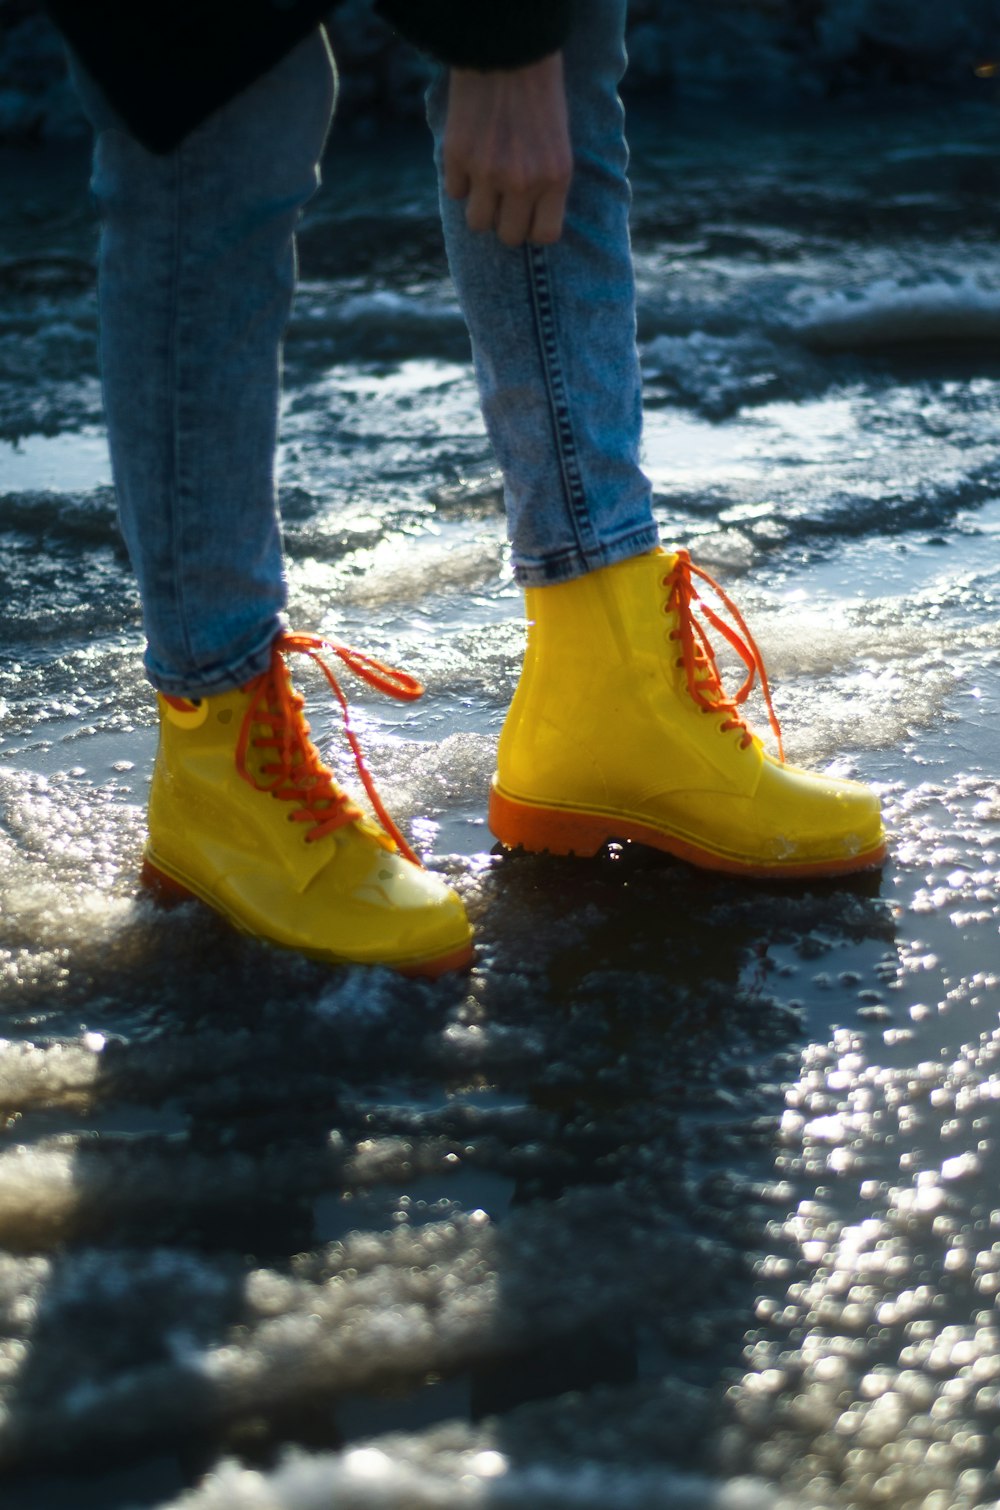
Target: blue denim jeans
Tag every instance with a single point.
(196, 277)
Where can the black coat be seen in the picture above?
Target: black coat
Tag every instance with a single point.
(165, 67)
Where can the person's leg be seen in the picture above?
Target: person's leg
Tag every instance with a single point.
(553, 336)
(197, 270)
(196, 276)
(620, 727)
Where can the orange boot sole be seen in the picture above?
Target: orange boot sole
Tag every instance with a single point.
(566, 831)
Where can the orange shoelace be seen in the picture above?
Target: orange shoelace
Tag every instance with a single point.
(698, 658)
(297, 774)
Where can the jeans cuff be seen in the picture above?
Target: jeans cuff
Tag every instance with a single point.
(218, 678)
(575, 562)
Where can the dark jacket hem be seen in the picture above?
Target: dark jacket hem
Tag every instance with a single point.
(166, 69)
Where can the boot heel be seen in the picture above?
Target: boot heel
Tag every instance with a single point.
(163, 888)
(522, 825)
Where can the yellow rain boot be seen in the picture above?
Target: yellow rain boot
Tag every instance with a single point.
(244, 815)
(621, 729)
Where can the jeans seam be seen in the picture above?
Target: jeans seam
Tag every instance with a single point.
(539, 282)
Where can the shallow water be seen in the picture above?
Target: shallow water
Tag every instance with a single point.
(687, 1195)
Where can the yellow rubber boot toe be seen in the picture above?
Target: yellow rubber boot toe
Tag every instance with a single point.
(621, 729)
(243, 815)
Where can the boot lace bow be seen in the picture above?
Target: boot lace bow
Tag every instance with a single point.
(697, 656)
(295, 772)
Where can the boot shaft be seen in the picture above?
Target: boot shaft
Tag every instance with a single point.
(598, 668)
(610, 619)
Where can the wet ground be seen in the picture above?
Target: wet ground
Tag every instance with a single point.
(687, 1195)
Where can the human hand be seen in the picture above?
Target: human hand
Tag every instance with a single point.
(507, 150)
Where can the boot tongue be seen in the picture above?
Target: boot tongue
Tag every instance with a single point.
(709, 686)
